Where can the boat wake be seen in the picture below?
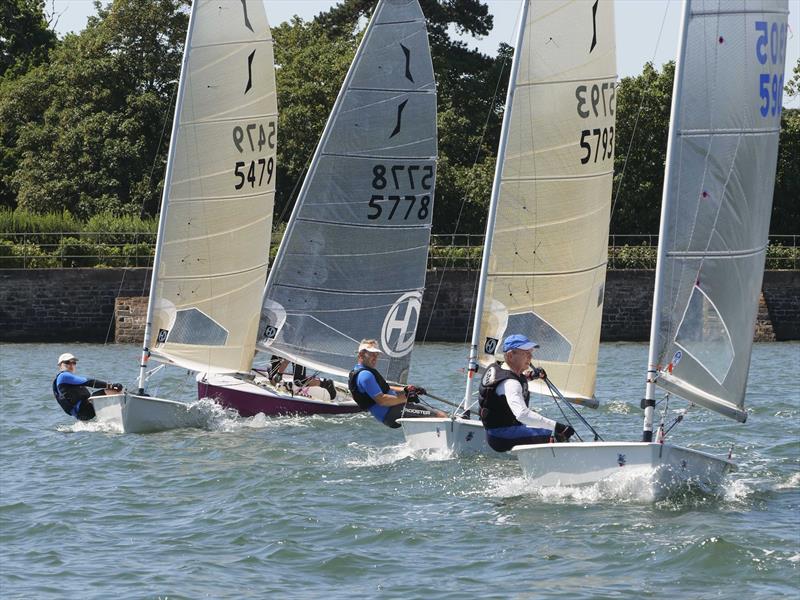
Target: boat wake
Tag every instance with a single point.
(371, 456)
(627, 486)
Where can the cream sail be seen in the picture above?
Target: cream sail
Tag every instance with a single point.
(547, 265)
(544, 263)
(216, 211)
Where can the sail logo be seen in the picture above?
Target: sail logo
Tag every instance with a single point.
(162, 336)
(270, 331)
(491, 345)
(400, 325)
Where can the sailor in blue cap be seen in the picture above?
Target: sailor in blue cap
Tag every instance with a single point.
(504, 399)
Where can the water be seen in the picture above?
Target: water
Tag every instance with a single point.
(319, 507)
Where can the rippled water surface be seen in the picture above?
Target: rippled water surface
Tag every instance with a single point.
(320, 507)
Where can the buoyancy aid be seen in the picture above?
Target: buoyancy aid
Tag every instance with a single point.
(495, 411)
(68, 395)
(363, 400)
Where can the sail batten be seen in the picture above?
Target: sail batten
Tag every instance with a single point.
(371, 179)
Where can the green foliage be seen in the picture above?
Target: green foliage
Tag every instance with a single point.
(310, 69)
(25, 37)
(85, 121)
(786, 199)
(24, 256)
(639, 173)
(84, 133)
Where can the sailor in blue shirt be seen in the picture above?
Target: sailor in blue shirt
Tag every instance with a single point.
(385, 402)
(71, 390)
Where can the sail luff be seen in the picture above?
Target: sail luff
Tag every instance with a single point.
(472, 365)
(162, 221)
(274, 268)
(655, 322)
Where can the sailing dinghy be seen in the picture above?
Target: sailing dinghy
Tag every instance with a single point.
(353, 260)
(717, 200)
(544, 261)
(211, 252)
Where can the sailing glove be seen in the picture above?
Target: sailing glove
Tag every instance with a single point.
(536, 373)
(414, 390)
(117, 387)
(563, 432)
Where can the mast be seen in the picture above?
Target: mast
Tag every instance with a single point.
(649, 401)
(318, 151)
(472, 366)
(165, 200)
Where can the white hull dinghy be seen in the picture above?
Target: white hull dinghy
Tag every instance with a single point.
(715, 214)
(546, 246)
(212, 247)
(132, 413)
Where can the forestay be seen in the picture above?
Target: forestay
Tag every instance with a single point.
(353, 260)
(217, 208)
(717, 209)
(546, 272)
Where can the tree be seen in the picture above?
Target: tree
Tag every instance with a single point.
(90, 134)
(470, 86)
(25, 38)
(643, 103)
(310, 69)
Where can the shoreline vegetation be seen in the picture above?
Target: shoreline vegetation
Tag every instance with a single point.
(85, 121)
(53, 240)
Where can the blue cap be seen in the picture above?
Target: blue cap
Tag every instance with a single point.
(518, 342)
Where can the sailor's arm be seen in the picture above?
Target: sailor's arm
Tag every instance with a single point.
(526, 416)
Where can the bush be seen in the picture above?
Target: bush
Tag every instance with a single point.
(24, 256)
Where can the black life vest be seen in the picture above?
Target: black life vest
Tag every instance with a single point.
(364, 401)
(69, 395)
(495, 411)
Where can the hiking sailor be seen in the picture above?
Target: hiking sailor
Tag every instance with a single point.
(71, 390)
(504, 400)
(385, 402)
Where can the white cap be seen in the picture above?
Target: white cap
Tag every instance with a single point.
(66, 357)
(369, 348)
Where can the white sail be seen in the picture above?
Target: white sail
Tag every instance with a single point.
(352, 263)
(718, 198)
(216, 214)
(547, 264)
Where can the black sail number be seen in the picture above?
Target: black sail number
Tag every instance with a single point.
(398, 176)
(253, 172)
(252, 137)
(399, 208)
(603, 146)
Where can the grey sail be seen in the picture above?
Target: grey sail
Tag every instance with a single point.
(715, 220)
(353, 260)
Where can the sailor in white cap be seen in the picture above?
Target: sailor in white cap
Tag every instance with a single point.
(385, 402)
(504, 398)
(71, 390)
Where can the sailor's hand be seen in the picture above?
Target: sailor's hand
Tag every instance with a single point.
(564, 432)
(414, 390)
(117, 387)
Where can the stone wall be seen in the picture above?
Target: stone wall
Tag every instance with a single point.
(97, 305)
(64, 305)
